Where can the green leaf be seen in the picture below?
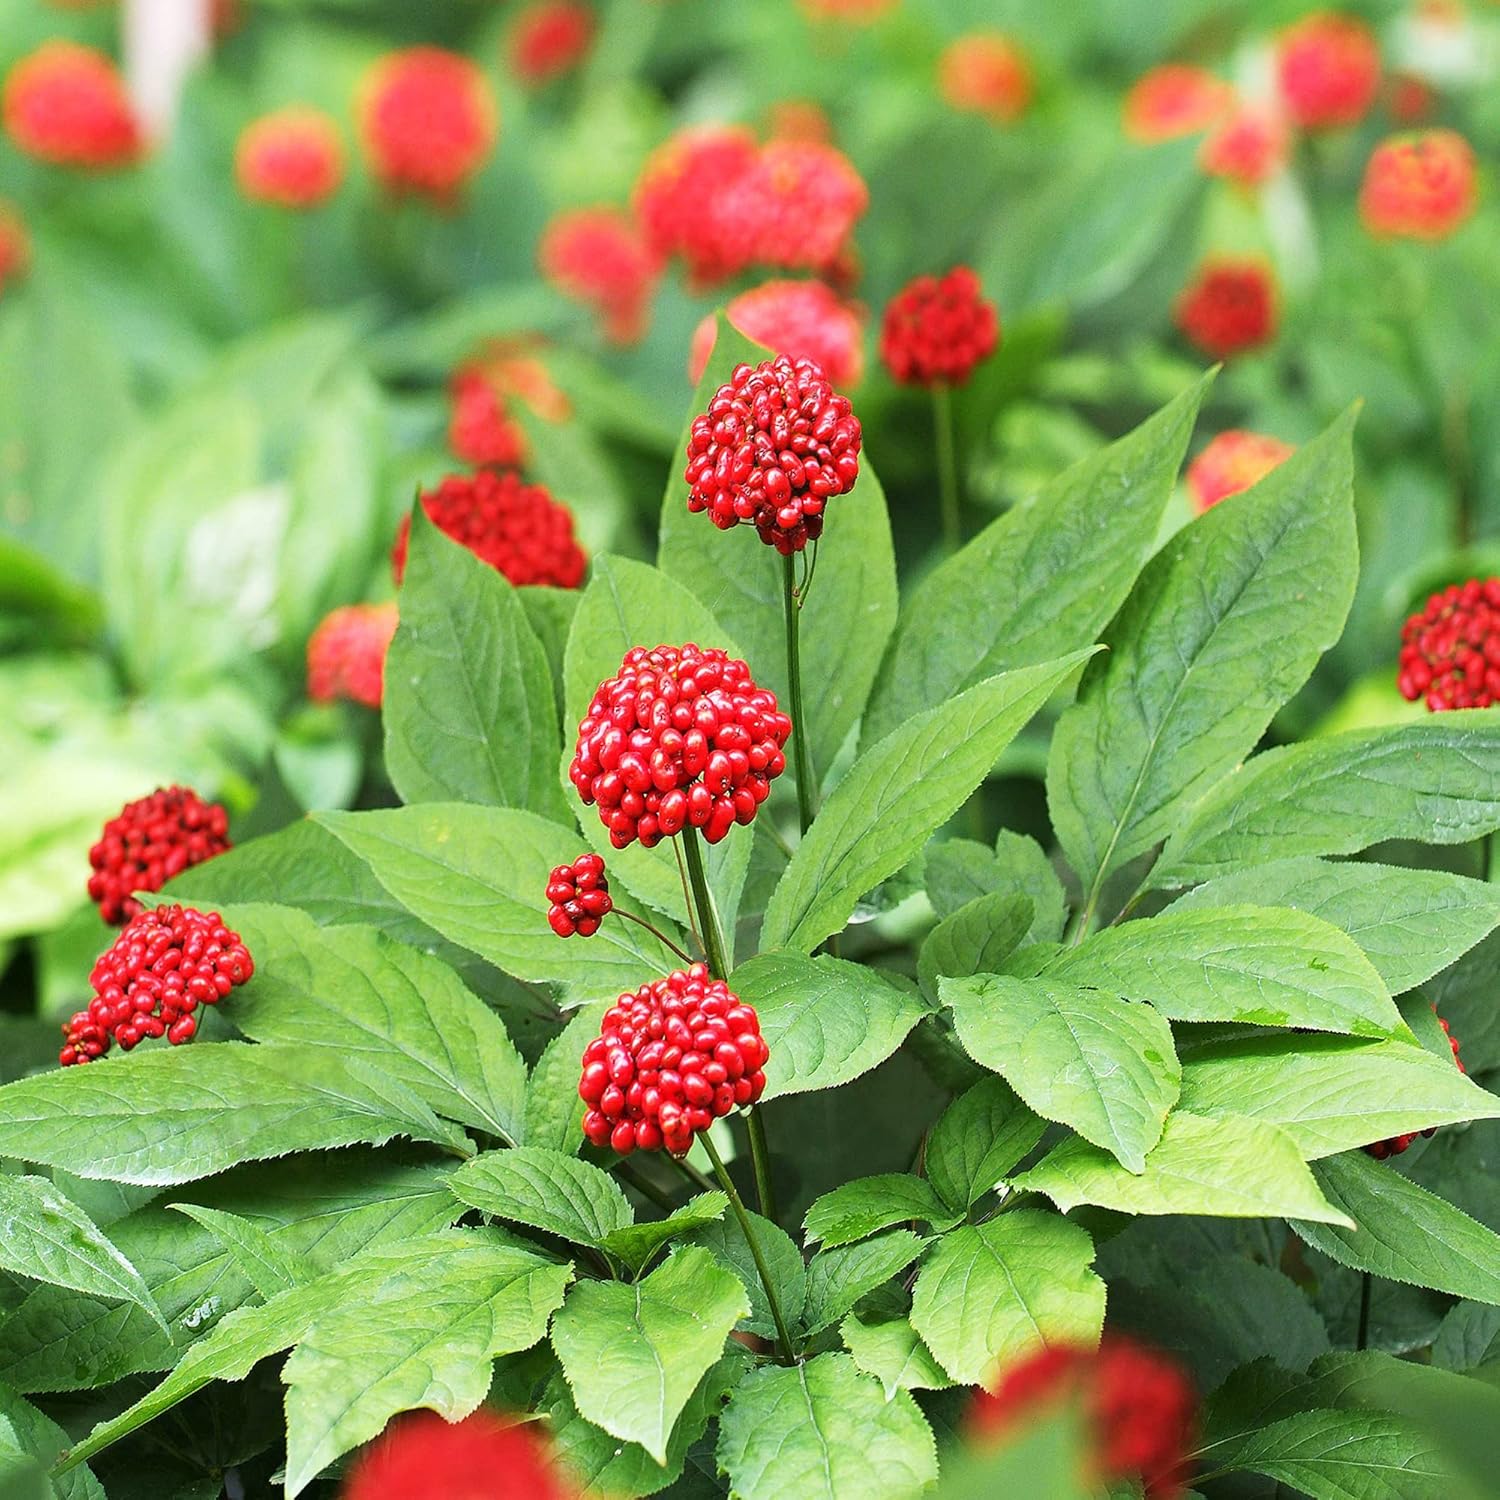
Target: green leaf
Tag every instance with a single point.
(50, 1238)
(976, 939)
(989, 1293)
(353, 991)
(822, 1429)
(635, 1244)
(469, 711)
(1265, 965)
(1084, 1057)
(1224, 626)
(1227, 1168)
(977, 1140)
(478, 874)
(959, 870)
(544, 1190)
(725, 1240)
(837, 1279)
(29, 1442)
(554, 1112)
(1469, 1337)
(850, 610)
(1332, 1094)
(425, 1335)
(857, 1209)
(1411, 924)
(889, 1349)
(1405, 1233)
(1040, 582)
(175, 1115)
(895, 795)
(1436, 780)
(268, 1266)
(826, 1021)
(633, 1354)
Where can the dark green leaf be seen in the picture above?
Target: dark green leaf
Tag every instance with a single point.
(978, 1139)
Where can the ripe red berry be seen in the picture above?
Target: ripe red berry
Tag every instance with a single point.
(517, 528)
(578, 897)
(67, 104)
(1249, 146)
(346, 654)
(481, 430)
(1396, 1144)
(15, 245)
(549, 38)
(148, 842)
(668, 1061)
(1328, 70)
(1229, 307)
(427, 121)
(986, 73)
(1140, 1408)
(1172, 100)
(599, 257)
(1450, 651)
(801, 319)
(292, 158)
(682, 736)
(937, 328)
(1419, 186)
(165, 964)
(1233, 461)
(775, 445)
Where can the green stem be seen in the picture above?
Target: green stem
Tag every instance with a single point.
(942, 417)
(760, 1156)
(800, 746)
(1366, 1291)
(708, 916)
(784, 1339)
(655, 932)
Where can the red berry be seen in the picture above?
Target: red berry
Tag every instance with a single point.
(150, 841)
(599, 257)
(1396, 1144)
(681, 736)
(1173, 100)
(578, 896)
(549, 38)
(1232, 462)
(669, 1060)
(1328, 70)
(1419, 186)
(67, 104)
(481, 430)
(1249, 146)
(1450, 651)
(517, 528)
(346, 654)
(774, 446)
(1230, 306)
(1140, 1407)
(292, 158)
(801, 319)
(986, 73)
(936, 329)
(165, 964)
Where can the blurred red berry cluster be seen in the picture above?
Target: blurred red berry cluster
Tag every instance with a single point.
(1231, 462)
(148, 842)
(800, 319)
(938, 328)
(346, 654)
(66, 104)
(292, 158)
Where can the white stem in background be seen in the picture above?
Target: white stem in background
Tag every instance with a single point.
(163, 41)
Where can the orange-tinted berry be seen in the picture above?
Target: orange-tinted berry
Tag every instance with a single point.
(1229, 307)
(1328, 70)
(292, 158)
(346, 654)
(67, 104)
(1175, 99)
(1420, 186)
(986, 73)
(1232, 462)
(801, 319)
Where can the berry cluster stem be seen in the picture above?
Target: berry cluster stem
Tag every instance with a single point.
(783, 1338)
(801, 749)
(947, 464)
(655, 932)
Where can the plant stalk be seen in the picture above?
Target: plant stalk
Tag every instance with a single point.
(655, 931)
(1366, 1291)
(760, 1157)
(703, 899)
(942, 418)
(801, 749)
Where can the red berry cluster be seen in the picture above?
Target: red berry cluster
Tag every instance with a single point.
(148, 842)
(669, 1060)
(1251, 145)
(1173, 100)
(682, 736)
(801, 319)
(1396, 1144)
(1140, 1408)
(1450, 651)
(165, 964)
(986, 73)
(937, 328)
(599, 257)
(1328, 70)
(1231, 463)
(67, 104)
(578, 896)
(548, 39)
(346, 654)
(774, 446)
(1229, 307)
(481, 430)
(517, 528)
(292, 158)
(1419, 186)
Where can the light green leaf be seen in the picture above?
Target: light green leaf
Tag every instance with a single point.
(1332, 1094)
(1041, 581)
(978, 1139)
(992, 1292)
(1265, 965)
(635, 1244)
(976, 939)
(545, 1190)
(857, 1209)
(633, 1354)
(469, 710)
(268, 1265)
(175, 1115)
(354, 991)
(895, 795)
(1227, 1168)
(1411, 924)
(1224, 625)
(48, 1237)
(1084, 1057)
(959, 870)
(1405, 1233)
(1436, 780)
(726, 1241)
(826, 1021)
(837, 1279)
(554, 1112)
(890, 1350)
(479, 876)
(29, 1441)
(823, 1431)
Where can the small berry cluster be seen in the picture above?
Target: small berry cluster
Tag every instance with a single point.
(549, 39)
(1173, 100)
(1396, 1144)
(1450, 651)
(1328, 70)
(346, 654)
(800, 319)
(775, 444)
(986, 73)
(1232, 462)
(598, 256)
(1140, 1408)
(578, 897)
(937, 328)
(681, 737)
(481, 430)
(1251, 145)
(1419, 186)
(165, 964)
(148, 842)
(67, 104)
(1229, 307)
(669, 1060)
(517, 528)
(291, 159)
